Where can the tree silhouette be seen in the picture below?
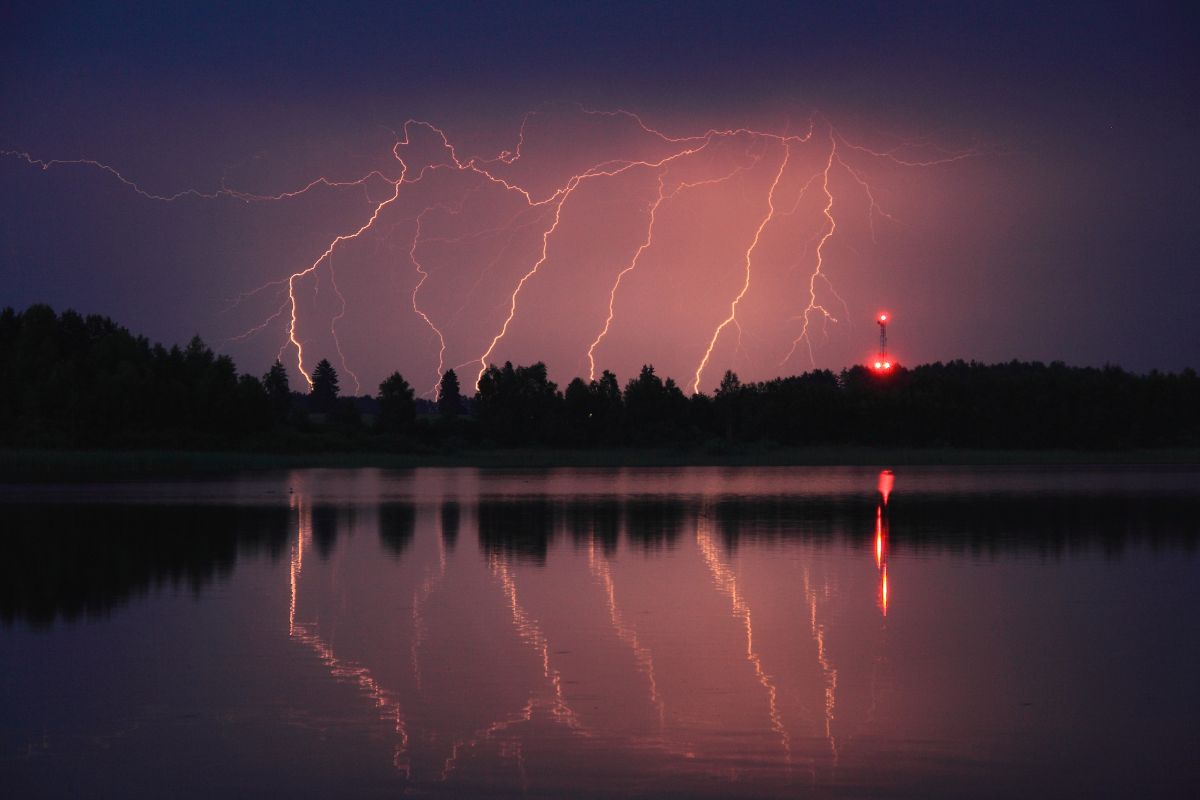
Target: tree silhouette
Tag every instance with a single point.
(610, 407)
(324, 387)
(449, 402)
(397, 408)
(279, 393)
(579, 404)
(646, 406)
(518, 406)
(728, 402)
(77, 381)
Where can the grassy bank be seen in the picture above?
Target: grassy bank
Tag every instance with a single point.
(30, 465)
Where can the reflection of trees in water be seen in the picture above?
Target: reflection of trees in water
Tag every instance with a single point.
(67, 561)
(1051, 525)
(63, 562)
(521, 528)
(594, 522)
(653, 523)
(397, 525)
(451, 516)
(1046, 523)
(813, 518)
(524, 528)
(328, 522)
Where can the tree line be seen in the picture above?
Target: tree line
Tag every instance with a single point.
(85, 381)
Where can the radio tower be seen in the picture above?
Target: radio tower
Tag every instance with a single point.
(882, 362)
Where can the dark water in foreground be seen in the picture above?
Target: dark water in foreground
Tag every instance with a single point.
(697, 632)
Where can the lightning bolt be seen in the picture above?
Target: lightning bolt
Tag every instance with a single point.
(612, 295)
(403, 141)
(259, 327)
(563, 195)
(247, 197)
(295, 276)
(787, 154)
(813, 305)
(237, 194)
(890, 155)
(875, 209)
(663, 196)
(546, 209)
(337, 343)
(412, 255)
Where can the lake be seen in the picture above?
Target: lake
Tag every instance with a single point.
(698, 632)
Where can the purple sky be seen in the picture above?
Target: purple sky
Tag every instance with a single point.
(1066, 232)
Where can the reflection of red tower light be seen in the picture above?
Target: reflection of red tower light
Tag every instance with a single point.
(887, 480)
(879, 537)
(881, 559)
(883, 591)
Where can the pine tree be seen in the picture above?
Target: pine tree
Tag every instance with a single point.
(449, 402)
(324, 387)
(397, 408)
(279, 393)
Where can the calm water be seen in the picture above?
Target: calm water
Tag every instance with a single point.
(695, 632)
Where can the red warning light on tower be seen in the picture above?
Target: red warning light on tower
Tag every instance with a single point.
(882, 362)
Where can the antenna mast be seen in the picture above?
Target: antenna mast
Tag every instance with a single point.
(882, 363)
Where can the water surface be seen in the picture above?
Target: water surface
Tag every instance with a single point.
(650, 632)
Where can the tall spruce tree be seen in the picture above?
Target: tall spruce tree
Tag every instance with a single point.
(279, 392)
(397, 408)
(324, 387)
(450, 402)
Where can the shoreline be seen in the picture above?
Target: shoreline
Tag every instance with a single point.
(42, 465)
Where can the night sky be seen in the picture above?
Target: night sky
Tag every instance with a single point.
(1052, 214)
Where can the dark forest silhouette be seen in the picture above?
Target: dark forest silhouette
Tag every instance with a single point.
(75, 381)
